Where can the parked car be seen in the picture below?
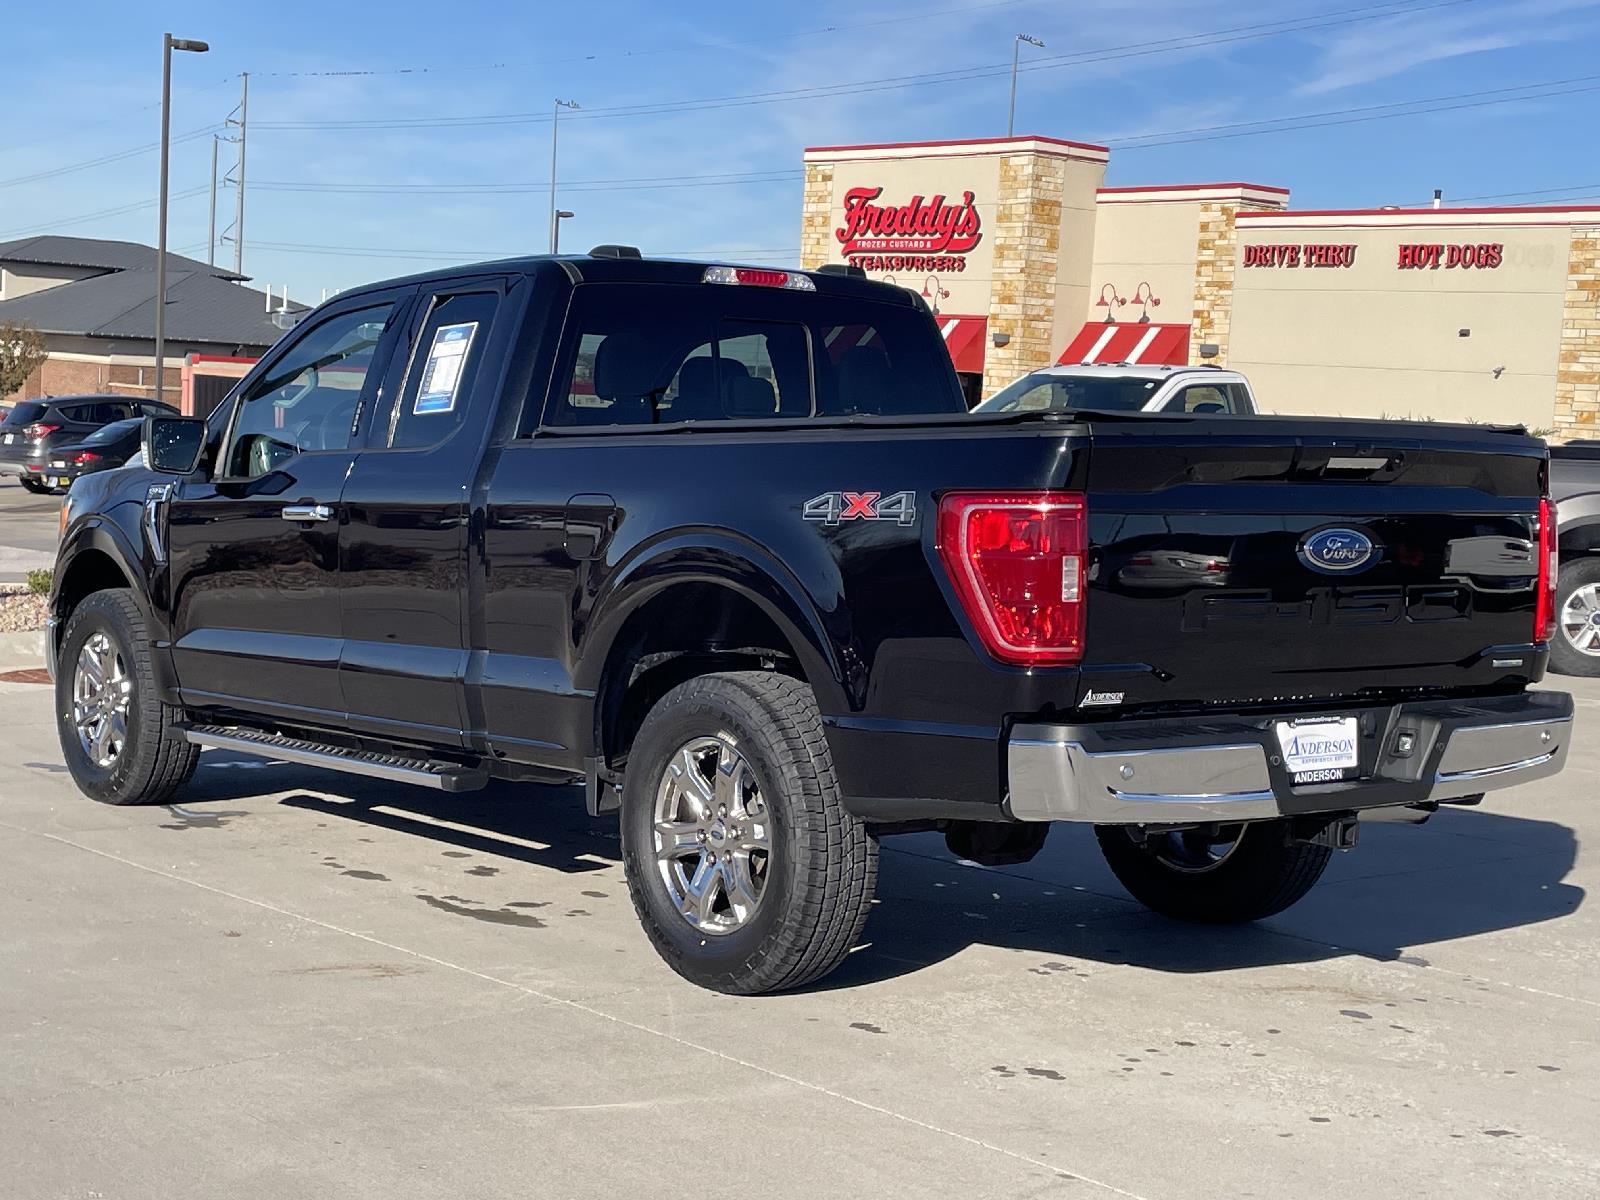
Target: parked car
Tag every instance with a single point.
(1125, 388)
(34, 430)
(1575, 484)
(723, 544)
(108, 447)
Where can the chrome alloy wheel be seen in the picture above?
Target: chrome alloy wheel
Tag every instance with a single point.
(1194, 851)
(713, 836)
(1580, 619)
(101, 695)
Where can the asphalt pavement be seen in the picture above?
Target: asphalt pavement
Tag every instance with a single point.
(28, 524)
(301, 984)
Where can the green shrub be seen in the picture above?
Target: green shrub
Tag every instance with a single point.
(39, 581)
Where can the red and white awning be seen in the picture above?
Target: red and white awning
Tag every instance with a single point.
(1149, 343)
(964, 337)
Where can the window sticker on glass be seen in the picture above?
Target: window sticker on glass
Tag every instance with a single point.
(441, 378)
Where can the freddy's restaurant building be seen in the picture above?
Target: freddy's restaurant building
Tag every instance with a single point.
(1489, 314)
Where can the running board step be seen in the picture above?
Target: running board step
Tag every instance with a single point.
(447, 777)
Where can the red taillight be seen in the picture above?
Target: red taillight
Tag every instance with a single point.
(1544, 608)
(1017, 560)
(35, 432)
(85, 456)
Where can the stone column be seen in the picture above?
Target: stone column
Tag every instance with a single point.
(1216, 254)
(816, 215)
(1577, 412)
(1027, 244)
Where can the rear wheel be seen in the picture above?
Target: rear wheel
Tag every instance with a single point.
(117, 736)
(1224, 875)
(1575, 648)
(32, 485)
(744, 867)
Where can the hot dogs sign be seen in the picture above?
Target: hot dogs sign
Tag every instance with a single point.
(932, 233)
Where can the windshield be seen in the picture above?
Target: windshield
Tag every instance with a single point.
(112, 432)
(1044, 392)
(26, 413)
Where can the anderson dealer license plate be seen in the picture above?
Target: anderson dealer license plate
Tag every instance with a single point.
(1321, 750)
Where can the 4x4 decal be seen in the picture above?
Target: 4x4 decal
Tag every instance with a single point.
(831, 508)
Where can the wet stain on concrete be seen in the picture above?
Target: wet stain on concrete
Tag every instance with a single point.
(365, 875)
(188, 818)
(523, 903)
(578, 912)
(1542, 1067)
(1183, 1043)
(865, 1027)
(231, 933)
(1414, 960)
(485, 871)
(1044, 1073)
(1321, 1120)
(365, 970)
(1500, 1133)
(1004, 1072)
(51, 768)
(454, 854)
(596, 895)
(494, 916)
(1355, 1014)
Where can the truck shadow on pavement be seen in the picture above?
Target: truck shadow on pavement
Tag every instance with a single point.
(1465, 873)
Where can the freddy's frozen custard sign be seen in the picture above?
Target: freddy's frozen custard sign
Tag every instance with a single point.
(924, 234)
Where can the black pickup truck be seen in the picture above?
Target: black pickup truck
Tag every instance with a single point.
(724, 544)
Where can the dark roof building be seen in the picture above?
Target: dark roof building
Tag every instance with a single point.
(94, 301)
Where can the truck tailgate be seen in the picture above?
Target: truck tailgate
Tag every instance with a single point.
(1234, 565)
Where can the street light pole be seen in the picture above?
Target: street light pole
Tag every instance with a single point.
(211, 234)
(555, 121)
(168, 45)
(1016, 50)
(555, 242)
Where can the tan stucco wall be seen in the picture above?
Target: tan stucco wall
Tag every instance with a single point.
(23, 279)
(1144, 243)
(1372, 339)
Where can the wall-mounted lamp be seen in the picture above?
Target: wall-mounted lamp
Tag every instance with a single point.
(1000, 339)
(1209, 349)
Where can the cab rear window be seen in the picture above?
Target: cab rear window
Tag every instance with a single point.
(665, 354)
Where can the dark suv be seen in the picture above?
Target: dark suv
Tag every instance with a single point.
(35, 428)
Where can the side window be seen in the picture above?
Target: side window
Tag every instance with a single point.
(108, 411)
(631, 354)
(78, 414)
(444, 365)
(308, 399)
(1205, 398)
(1239, 396)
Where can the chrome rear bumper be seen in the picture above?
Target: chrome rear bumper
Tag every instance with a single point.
(1227, 769)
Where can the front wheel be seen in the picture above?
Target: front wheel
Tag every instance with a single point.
(1575, 648)
(746, 870)
(1229, 874)
(119, 739)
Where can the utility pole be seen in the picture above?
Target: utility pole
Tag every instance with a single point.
(168, 45)
(555, 122)
(1016, 49)
(211, 236)
(238, 196)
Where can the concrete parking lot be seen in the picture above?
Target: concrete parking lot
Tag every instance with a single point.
(27, 531)
(299, 984)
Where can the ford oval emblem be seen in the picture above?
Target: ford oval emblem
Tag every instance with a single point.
(1338, 551)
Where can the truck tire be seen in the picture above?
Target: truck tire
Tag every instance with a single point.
(117, 736)
(1195, 877)
(1575, 647)
(746, 870)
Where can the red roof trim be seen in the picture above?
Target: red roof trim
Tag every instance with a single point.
(1436, 213)
(1193, 187)
(1049, 141)
(227, 358)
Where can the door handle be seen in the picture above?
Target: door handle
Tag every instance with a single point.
(307, 512)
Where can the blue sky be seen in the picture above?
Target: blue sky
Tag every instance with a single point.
(1164, 81)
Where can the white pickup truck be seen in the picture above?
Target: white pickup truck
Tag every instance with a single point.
(1126, 388)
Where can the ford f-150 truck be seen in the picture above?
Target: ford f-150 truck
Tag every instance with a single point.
(723, 544)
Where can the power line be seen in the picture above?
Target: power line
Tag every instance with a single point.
(114, 156)
(892, 83)
(581, 186)
(84, 218)
(430, 255)
(692, 48)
